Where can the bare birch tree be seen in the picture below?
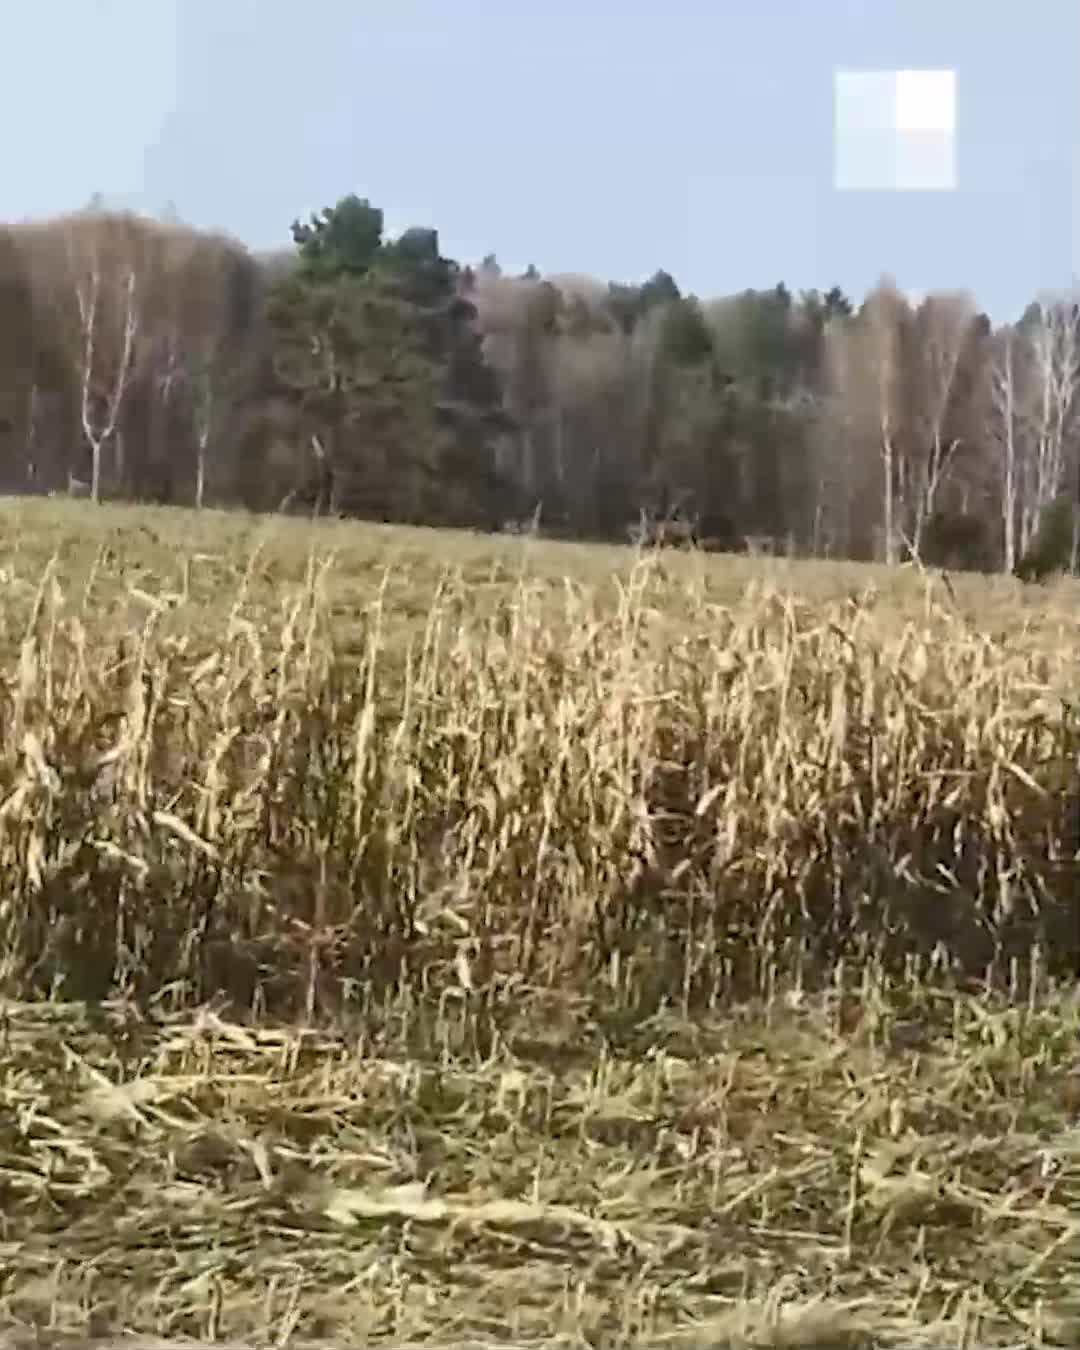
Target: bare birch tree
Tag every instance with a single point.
(194, 339)
(103, 272)
(1034, 417)
(1053, 406)
(939, 337)
(864, 357)
(1006, 435)
(888, 317)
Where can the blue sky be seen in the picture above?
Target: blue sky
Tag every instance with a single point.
(609, 137)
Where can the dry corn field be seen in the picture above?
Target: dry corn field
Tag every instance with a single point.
(417, 938)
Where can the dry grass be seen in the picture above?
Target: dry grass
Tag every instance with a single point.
(424, 937)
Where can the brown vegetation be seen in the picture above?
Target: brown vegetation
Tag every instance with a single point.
(395, 922)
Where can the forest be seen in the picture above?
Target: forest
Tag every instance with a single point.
(366, 376)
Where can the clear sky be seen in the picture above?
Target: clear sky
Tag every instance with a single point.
(609, 137)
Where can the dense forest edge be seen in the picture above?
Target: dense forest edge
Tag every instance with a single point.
(371, 377)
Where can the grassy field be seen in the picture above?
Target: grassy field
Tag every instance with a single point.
(418, 937)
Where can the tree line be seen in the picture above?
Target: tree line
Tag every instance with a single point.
(370, 376)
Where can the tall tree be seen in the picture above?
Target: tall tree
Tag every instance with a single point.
(935, 345)
(100, 297)
(366, 333)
